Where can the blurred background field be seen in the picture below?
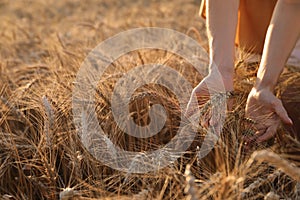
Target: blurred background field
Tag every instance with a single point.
(42, 45)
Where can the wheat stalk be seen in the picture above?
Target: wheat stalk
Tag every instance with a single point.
(275, 160)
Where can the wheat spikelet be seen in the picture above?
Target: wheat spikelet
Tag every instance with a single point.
(68, 194)
(275, 160)
(49, 121)
(260, 181)
(272, 196)
(190, 188)
(41, 54)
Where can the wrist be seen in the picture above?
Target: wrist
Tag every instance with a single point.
(227, 79)
(263, 84)
(225, 72)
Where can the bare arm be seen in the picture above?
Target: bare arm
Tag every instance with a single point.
(282, 36)
(262, 106)
(221, 23)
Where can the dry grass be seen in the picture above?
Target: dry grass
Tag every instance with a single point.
(42, 45)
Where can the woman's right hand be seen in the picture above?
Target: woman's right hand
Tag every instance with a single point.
(212, 84)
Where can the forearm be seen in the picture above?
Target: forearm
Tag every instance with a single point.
(282, 34)
(221, 29)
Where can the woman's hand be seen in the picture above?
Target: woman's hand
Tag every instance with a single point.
(262, 106)
(266, 112)
(212, 84)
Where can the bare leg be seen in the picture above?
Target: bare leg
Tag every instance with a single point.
(254, 19)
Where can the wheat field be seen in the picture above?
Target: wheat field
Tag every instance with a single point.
(42, 46)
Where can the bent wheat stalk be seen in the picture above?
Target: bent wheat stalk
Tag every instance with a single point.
(275, 160)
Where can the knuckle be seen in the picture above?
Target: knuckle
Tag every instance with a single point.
(276, 103)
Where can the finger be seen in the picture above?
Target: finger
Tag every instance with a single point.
(215, 122)
(205, 119)
(271, 131)
(281, 112)
(190, 110)
(217, 129)
(253, 139)
(198, 98)
(192, 107)
(203, 99)
(230, 104)
(249, 141)
(214, 118)
(201, 93)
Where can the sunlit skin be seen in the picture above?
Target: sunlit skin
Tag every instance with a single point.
(279, 29)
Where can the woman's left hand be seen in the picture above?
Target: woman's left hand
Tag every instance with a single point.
(266, 113)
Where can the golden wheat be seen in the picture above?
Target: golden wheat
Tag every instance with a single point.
(42, 45)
